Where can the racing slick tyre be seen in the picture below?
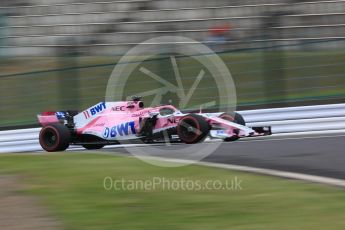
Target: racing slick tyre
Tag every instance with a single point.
(93, 146)
(54, 137)
(236, 118)
(192, 129)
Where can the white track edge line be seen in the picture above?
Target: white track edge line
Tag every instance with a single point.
(270, 172)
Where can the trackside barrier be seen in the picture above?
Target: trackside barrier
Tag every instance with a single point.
(282, 120)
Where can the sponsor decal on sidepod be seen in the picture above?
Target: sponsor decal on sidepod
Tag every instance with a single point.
(123, 129)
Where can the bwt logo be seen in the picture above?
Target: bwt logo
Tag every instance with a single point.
(94, 110)
(98, 108)
(123, 129)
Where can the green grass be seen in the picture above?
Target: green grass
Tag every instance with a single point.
(309, 75)
(71, 185)
(51, 83)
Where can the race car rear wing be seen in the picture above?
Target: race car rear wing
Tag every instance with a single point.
(49, 117)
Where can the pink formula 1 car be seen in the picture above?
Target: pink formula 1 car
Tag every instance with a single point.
(109, 123)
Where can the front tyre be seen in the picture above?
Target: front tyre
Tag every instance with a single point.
(54, 137)
(236, 118)
(192, 129)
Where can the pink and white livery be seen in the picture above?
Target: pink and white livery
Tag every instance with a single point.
(108, 123)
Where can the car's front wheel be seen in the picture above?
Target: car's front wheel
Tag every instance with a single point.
(54, 137)
(192, 128)
(236, 118)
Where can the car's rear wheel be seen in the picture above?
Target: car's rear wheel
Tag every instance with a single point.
(54, 137)
(236, 118)
(93, 146)
(192, 129)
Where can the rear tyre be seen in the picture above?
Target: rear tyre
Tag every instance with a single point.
(192, 129)
(93, 146)
(54, 137)
(236, 118)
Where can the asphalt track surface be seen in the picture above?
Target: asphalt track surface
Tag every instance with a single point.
(320, 155)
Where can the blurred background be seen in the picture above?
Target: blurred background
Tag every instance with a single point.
(59, 54)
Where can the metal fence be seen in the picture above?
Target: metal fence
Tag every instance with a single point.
(59, 54)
